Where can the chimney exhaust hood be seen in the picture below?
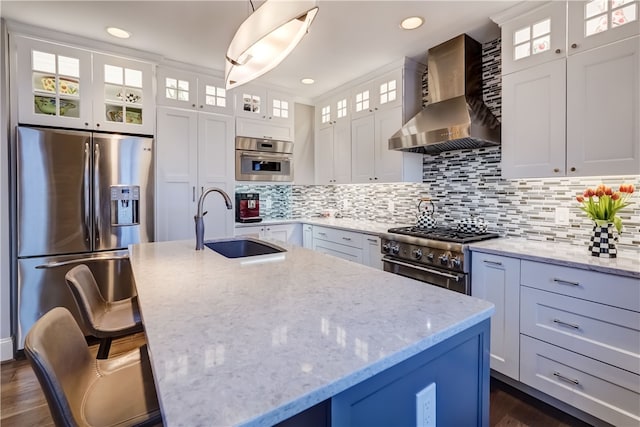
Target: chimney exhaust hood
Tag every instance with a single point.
(456, 116)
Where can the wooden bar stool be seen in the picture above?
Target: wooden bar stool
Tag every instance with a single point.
(104, 319)
(83, 391)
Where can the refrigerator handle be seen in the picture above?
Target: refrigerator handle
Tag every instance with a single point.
(96, 193)
(55, 264)
(87, 192)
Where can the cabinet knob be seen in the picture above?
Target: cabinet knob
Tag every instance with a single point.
(193, 105)
(573, 169)
(201, 106)
(574, 45)
(556, 170)
(370, 178)
(86, 123)
(558, 51)
(375, 178)
(97, 125)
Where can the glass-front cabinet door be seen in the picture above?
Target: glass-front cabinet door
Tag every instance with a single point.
(598, 22)
(53, 84)
(213, 97)
(176, 88)
(534, 38)
(251, 102)
(123, 95)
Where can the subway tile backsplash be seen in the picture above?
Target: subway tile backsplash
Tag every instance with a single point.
(461, 184)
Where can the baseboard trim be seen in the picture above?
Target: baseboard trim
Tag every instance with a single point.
(6, 349)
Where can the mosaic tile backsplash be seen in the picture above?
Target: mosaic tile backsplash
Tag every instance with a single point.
(462, 184)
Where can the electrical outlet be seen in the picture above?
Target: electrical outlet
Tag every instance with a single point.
(426, 406)
(562, 216)
(391, 207)
(268, 202)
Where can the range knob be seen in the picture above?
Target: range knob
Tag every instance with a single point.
(444, 259)
(455, 262)
(430, 256)
(386, 247)
(417, 253)
(395, 249)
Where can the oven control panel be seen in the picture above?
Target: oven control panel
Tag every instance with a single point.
(438, 257)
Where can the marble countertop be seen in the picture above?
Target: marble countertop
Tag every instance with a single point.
(363, 226)
(626, 264)
(253, 341)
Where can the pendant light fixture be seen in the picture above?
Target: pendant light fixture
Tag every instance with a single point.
(266, 37)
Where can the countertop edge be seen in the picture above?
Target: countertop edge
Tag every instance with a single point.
(475, 247)
(312, 398)
(365, 227)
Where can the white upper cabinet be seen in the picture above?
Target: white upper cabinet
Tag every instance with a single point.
(600, 22)
(373, 111)
(123, 95)
(534, 38)
(534, 121)
(333, 141)
(380, 93)
(177, 88)
(69, 87)
(262, 113)
(54, 84)
(603, 110)
(575, 114)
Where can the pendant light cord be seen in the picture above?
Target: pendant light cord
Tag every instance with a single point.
(252, 8)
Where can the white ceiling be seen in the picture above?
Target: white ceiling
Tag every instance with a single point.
(348, 38)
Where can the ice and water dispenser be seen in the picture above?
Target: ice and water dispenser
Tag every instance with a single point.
(125, 205)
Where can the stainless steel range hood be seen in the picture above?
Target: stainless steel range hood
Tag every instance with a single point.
(456, 117)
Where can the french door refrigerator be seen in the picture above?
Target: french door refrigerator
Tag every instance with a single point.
(81, 197)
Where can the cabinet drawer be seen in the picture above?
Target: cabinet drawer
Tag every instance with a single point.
(601, 390)
(342, 237)
(605, 333)
(341, 251)
(618, 291)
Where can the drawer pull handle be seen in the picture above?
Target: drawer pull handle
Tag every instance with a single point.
(570, 325)
(492, 262)
(372, 240)
(322, 234)
(563, 378)
(348, 239)
(566, 282)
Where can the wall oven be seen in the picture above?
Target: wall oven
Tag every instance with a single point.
(438, 256)
(263, 159)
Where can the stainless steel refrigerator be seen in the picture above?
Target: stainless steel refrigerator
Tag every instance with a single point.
(81, 197)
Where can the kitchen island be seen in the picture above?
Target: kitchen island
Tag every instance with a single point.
(257, 340)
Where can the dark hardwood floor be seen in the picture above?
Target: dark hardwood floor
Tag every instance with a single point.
(23, 404)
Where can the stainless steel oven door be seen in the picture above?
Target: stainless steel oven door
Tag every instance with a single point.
(458, 282)
(260, 166)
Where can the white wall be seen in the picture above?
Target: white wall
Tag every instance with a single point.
(6, 341)
(303, 165)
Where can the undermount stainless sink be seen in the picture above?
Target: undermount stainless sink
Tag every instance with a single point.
(242, 247)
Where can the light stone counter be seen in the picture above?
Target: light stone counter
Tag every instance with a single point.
(256, 340)
(361, 226)
(626, 264)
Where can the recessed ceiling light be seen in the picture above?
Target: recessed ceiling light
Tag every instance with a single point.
(118, 32)
(308, 81)
(411, 23)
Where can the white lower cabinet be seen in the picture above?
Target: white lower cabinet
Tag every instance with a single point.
(570, 333)
(286, 233)
(602, 390)
(497, 279)
(372, 255)
(350, 245)
(580, 339)
(307, 236)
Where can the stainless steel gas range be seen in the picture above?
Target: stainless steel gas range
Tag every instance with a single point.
(439, 256)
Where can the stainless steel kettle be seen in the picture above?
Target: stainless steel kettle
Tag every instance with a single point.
(425, 215)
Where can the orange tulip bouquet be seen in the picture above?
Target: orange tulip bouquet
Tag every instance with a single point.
(602, 205)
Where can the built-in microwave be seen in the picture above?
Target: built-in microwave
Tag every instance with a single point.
(263, 159)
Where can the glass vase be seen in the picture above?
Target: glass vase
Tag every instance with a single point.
(603, 241)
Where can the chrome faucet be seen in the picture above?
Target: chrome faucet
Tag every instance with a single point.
(199, 215)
